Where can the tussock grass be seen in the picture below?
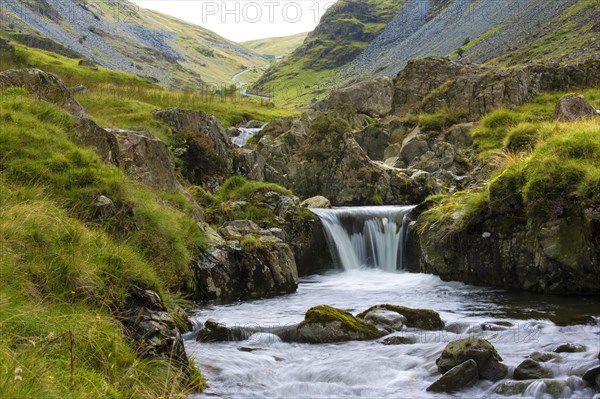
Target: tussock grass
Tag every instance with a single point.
(65, 268)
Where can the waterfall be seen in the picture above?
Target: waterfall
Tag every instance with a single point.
(245, 134)
(360, 237)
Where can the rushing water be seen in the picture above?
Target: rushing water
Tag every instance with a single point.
(366, 236)
(370, 369)
(245, 134)
(264, 367)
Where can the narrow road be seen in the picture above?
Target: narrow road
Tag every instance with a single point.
(243, 90)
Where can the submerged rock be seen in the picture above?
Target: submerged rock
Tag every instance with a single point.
(477, 349)
(554, 388)
(573, 107)
(462, 376)
(400, 340)
(424, 319)
(569, 348)
(214, 331)
(529, 369)
(325, 324)
(545, 357)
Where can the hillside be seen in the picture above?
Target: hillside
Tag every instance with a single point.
(276, 46)
(478, 31)
(345, 30)
(121, 36)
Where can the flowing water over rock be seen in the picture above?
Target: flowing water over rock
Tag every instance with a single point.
(245, 134)
(517, 324)
(366, 236)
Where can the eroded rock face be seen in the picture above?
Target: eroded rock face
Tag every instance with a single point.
(572, 107)
(204, 145)
(371, 97)
(459, 377)
(477, 349)
(374, 140)
(433, 83)
(152, 328)
(47, 86)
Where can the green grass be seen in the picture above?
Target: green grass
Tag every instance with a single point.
(276, 46)
(65, 268)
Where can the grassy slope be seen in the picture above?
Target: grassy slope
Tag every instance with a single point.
(537, 162)
(310, 71)
(276, 46)
(208, 56)
(120, 100)
(64, 268)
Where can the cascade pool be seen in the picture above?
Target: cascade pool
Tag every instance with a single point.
(369, 369)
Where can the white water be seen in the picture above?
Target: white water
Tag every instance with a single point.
(373, 370)
(244, 135)
(371, 236)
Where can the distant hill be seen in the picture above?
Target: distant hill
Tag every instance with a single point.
(121, 36)
(276, 46)
(361, 39)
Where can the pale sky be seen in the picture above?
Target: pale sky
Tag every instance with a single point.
(241, 20)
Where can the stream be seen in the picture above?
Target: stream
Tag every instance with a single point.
(264, 367)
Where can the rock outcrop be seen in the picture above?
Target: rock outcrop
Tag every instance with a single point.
(434, 83)
(248, 262)
(45, 85)
(371, 97)
(204, 146)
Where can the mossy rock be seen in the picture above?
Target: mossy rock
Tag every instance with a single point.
(323, 324)
(424, 319)
(478, 349)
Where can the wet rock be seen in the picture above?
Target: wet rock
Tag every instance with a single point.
(324, 324)
(387, 320)
(591, 376)
(529, 369)
(316, 202)
(423, 319)
(214, 331)
(462, 376)
(152, 328)
(553, 388)
(457, 327)
(477, 349)
(47, 86)
(88, 63)
(371, 97)
(545, 357)
(569, 348)
(400, 340)
(572, 107)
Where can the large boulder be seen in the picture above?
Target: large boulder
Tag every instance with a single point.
(573, 107)
(529, 369)
(371, 97)
(46, 86)
(203, 143)
(248, 262)
(477, 349)
(423, 319)
(374, 140)
(152, 329)
(325, 324)
(459, 377)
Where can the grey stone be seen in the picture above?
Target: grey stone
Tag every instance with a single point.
(572, 107)
(529, 369)
(569, 348)
(462, 376)
(400, 340)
